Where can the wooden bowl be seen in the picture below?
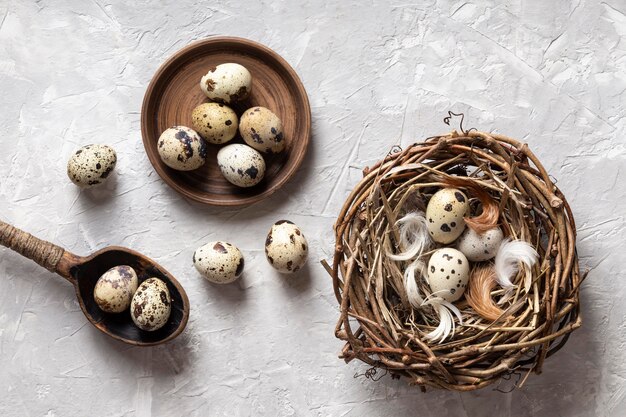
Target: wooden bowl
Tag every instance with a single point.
(175, 91)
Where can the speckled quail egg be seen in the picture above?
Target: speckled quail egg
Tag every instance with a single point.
(215, 122)
(151, 305)
(480, 247)
(448, 273)
(219, 262)
(227, 83)
(286, 248)
(262, 129)
(182, 148)
(241, 165)
(115, 288)
(91, 165)
(445, 212)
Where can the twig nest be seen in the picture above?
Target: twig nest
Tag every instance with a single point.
(387, 324)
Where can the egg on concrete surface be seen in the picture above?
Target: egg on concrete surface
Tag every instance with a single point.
(227, 83)
(215, 122)
(151, 305)
(91, 165)
(262, 129)
(241, 165)
(448, 273)
(480, 247)
(445, 212)
(286, 247)
(114, 290)
(219, 262)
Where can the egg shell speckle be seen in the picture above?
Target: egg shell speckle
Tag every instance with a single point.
(182, 148)
(478, 248)
(215, 122)
(227, 83)
(448, 273)
(241, 165)
(219, 262)
(263, 130)
(151, 305)
(445, 212)
(286, 247)
(115, 288)
(91, 165)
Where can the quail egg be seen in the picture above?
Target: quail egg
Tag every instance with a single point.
(448, 274)
(286, 247)
(115, 288)
(262, 129)
(480, 247)
(445, 212)
(241, 165)
(151, 305)
(216, 123)
(219, 262)
(91, 165)
(182, 148)
(227, 83)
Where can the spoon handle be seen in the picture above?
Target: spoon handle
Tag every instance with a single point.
(44, 253)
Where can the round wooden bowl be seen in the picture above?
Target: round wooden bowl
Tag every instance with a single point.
(175, 91)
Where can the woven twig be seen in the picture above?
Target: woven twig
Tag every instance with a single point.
(377, 322)
(44, 253)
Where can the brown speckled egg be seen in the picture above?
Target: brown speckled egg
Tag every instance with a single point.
(91, 165)
(182, 148)
(115, 288)
(151, 305)
(219, 262)
(227, 83)
(286, 247)
(480, 247)
(241, 165)
(262, 129)
(448, 274)
(444, 214)
(216, 123)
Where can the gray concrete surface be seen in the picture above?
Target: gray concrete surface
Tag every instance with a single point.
(552, 73)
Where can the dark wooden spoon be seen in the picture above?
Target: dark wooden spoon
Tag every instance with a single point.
(83, 272)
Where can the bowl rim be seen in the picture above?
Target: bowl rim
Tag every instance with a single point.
(297, 159)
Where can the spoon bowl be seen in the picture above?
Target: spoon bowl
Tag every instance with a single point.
(83, 273)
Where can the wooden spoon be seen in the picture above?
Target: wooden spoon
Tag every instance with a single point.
(83, 272)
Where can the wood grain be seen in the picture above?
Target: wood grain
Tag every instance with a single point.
(175, 91)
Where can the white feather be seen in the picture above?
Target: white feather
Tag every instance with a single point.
(446, 312)
(511, 254)
(414, 238)
(410, 282)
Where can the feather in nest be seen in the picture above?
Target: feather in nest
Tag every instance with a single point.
(413, 235)
(511, 254)
(482, 281)
(488, 218)
(446, 312)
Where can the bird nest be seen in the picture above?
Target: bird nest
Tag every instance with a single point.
(380, 325)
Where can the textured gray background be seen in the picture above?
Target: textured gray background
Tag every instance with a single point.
(552, 73)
